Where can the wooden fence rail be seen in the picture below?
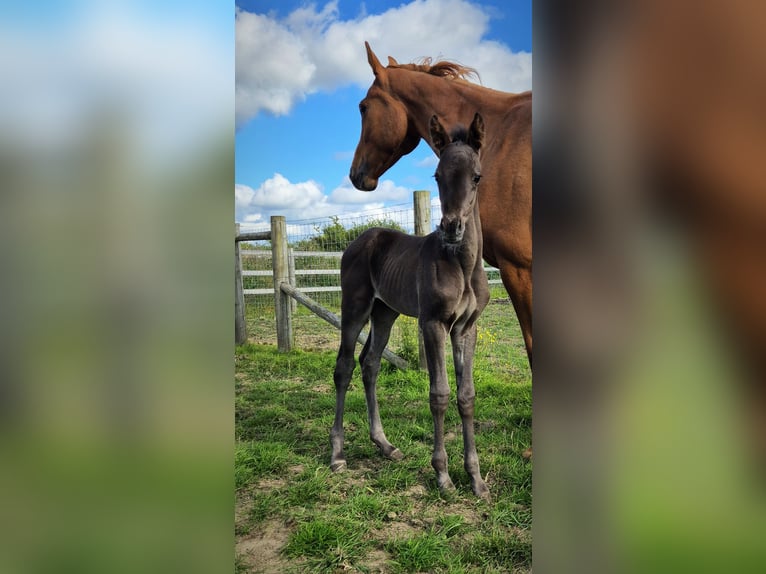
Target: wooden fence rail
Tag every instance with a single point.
(334, 320)
(253, 236)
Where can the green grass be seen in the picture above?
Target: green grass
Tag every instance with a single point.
(379, 515)
(327, 544)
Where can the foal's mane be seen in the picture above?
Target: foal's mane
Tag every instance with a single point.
(459, 134)
(443, 69)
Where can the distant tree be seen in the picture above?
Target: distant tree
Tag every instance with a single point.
(335, 237)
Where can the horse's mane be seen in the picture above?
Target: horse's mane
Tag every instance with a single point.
(444, 69)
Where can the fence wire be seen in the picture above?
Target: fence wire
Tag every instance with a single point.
(317, 246)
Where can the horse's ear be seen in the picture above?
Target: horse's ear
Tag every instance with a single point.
(373, 60)
(392, 62)
(439, 137)
(476, 132)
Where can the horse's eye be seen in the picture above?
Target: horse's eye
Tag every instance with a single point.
(362, 108)
(476, 179)
(436, 177)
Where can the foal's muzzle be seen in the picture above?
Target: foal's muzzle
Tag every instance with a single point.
(452, 230)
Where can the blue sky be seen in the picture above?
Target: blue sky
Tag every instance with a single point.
(302, 69)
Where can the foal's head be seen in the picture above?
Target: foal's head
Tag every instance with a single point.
(457, 175)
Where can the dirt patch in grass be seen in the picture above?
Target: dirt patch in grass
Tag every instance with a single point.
(260, 550)
(311, 342)
(376, 562)
(271, 484)
(394, 530)
(417, 490)
(241, 512)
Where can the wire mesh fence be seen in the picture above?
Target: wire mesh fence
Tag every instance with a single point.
(317, 246)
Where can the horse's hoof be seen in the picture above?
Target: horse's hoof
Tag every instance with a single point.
(338, 466)
(395, 454)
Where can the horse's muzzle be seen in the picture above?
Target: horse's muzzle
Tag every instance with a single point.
(361, 181)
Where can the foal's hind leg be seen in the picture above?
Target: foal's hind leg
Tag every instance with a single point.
(463, 347)
(382, 319)
(351, 324)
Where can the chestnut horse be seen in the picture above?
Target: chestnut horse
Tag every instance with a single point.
(395, 116)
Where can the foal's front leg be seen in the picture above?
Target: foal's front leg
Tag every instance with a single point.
(434, 337)
(381, 321)
(463, 347)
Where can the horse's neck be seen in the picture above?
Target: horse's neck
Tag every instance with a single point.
(453, 101)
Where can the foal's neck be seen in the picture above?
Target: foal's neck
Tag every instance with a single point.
(469, 250)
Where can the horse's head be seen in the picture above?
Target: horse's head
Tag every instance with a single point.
(387, 133)
(457, 174)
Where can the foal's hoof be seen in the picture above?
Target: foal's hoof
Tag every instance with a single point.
(482, 491)
(338, 466)
(446, 486)
(395, 454)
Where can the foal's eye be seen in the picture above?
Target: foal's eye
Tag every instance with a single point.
(476, 179)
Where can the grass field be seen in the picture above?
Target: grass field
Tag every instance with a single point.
(294, 515)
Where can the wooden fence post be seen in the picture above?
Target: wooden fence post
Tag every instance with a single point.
(280, 262)
(240, 324)
(422, 204)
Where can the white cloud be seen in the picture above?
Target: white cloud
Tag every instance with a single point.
(253, 218)
(387, 191)
(278, 196)
(428, 161)
(306, 200)
(280, 62)
(273, 68)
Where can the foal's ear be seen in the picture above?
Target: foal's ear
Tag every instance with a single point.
(439, 137)
(476, 132)
(372, 59)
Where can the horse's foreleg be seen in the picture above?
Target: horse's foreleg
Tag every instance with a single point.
(463, 347)
(434, 337)
(344, 368)
(382, 319)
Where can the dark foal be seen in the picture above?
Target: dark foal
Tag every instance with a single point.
(439, 279)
